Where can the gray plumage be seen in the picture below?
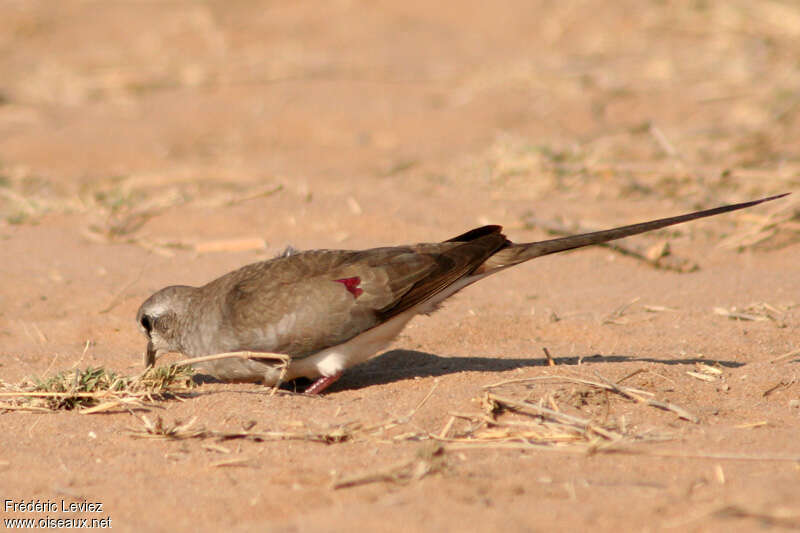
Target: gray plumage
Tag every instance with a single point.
(331, 309)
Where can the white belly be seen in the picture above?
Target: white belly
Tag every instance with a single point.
(335, 359)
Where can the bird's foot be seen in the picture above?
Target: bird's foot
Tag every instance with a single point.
(322, 383)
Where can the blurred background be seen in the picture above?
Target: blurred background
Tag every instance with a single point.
(143, 105)
(139, 137)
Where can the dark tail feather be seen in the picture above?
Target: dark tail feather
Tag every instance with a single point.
(517, 253)
(476, 233)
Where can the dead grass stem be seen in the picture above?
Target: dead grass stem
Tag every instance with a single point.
(96, 389)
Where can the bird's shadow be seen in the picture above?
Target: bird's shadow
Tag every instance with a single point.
(399, 365)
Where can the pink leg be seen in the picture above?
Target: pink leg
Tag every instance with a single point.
(322, 383)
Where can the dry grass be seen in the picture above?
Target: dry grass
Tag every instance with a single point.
(118, 207)
(509, 418)
(513, 418)
(428, 460)
(758, 312)
(558, 413)
(178, 430)
(561, 413)
(94, 390)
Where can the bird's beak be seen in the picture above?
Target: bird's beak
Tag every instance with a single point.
(150, 355)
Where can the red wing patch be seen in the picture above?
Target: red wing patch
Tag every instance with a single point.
(351, 284)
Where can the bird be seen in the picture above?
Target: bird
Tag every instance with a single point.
(328, 310)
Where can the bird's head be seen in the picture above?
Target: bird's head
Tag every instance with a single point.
(160, 318)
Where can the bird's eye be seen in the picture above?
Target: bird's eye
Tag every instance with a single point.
(147, 323)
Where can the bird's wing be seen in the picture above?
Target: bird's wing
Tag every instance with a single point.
(309, 301)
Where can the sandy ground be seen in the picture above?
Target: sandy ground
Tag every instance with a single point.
(144, 144)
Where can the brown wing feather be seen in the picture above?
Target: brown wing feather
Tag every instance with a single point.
(323, 312)
(452, 263)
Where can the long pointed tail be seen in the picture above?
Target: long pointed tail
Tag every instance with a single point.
(517, 253)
